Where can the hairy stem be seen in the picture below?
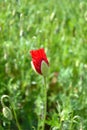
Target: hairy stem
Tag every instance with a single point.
(45, 104)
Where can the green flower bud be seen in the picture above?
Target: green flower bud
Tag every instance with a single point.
(7, 113)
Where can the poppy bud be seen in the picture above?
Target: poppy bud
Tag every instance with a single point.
(7, 113)
(39, 61)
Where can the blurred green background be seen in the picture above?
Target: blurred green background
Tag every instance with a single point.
(60, 27)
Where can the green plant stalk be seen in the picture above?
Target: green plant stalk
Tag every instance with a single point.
(45, 103)
(18, 125)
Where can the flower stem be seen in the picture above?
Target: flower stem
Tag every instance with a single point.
(45, 103)
(15, 115)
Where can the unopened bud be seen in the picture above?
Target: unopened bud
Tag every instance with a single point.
(7, 113)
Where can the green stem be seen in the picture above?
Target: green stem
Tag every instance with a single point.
(38, 123)
(15, 115)
(45, 103)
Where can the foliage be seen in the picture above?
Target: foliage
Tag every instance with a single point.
(61, 28)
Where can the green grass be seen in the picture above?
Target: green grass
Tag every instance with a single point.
(59, 26)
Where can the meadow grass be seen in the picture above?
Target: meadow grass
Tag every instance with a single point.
(60, 27)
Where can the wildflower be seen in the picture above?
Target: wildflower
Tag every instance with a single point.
(39, 61)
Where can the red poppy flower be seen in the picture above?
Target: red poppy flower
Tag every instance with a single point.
(39, 61)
